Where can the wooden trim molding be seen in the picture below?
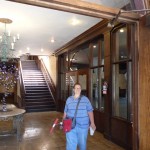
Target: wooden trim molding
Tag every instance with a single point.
(83, 8)
(86, 36)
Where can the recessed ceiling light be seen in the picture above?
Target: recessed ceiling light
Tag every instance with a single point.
(42, 49)
(94, 46)
(75, 21)
(52, 40)
(28, 49)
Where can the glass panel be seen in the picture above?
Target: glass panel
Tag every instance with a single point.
(72, 82)
(83, 82)
(95, 54)
(94, 87)
(102, 53)
(120, 87)
(121, 44)
(67, 85)
(101, 76)
(79, 59)
(63, 87)
(66, 62)
(129, 92)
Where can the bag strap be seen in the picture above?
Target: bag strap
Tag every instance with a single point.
(75, 114)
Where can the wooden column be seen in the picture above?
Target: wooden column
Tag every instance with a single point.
(144, 85)
(107, 78)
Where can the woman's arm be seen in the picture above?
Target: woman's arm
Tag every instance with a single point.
(91, 116)
(64, 115)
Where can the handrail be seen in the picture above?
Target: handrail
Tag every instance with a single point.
(48, 79)
(22, 87)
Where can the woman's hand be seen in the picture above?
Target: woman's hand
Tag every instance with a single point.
(93, 126)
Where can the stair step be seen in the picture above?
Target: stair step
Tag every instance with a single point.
(37, 100)
(34, 82)
(37, 84)
(31, 80)
(36, 87)
(37, 92)
(37, 97)
(40, 110)
(43, 103)
(39, 106)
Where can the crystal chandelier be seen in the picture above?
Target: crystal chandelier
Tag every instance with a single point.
(8, 69)
(7, 42)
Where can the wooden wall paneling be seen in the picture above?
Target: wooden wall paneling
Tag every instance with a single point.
(120, 131)
(84, 37)
(58, 84)
(129, 145)
(107, 110)
(144, 85)
(134, 118)
(99, 120)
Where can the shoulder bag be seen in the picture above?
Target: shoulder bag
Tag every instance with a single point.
(69, 123)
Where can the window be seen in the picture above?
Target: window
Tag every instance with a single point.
(95, 87)
(97, 74)
(79, 58)
(63, 77)
(121, 74)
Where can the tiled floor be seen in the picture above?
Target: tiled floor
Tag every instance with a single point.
(36, 135)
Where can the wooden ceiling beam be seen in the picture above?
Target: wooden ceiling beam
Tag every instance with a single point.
(83, 8)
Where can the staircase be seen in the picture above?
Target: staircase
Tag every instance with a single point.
(38, 98)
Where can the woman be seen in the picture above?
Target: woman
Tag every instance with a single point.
(84, 119)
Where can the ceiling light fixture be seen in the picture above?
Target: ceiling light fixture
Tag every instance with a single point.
(7, 42)
(75, 22)
(28, 49)
(52, 40)
(8, 69)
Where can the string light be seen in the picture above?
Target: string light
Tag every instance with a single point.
(8, 70)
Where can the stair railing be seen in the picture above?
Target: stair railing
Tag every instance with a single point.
(22, 87)
(48, 79)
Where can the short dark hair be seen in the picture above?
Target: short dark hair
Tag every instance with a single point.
(77, 84)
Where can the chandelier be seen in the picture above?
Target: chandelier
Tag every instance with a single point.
(8, 69)
(7, 42)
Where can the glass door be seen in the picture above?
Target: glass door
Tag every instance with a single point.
(82, 77)
(71, 79)
(79, 76)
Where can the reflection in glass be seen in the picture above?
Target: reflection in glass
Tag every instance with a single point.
(83, 82)
(120, 86)
(79, 59)
(121, 46)
(102, 53)
(101, 76)
(66, 63)
(94, 88)
(72, 80)
(64, 86)
(95, 54)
